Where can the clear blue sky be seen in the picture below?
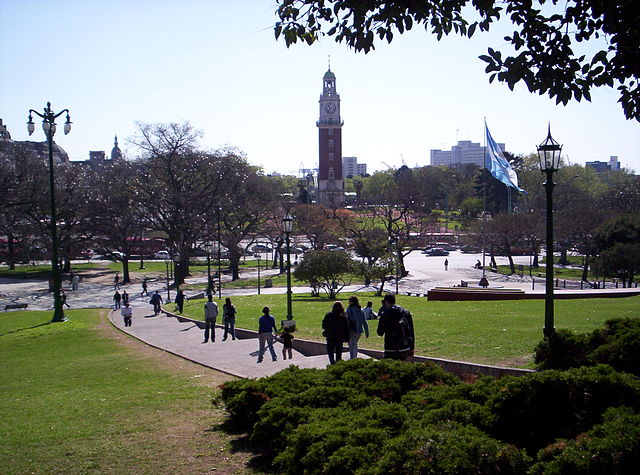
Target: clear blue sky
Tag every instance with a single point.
(218, 65)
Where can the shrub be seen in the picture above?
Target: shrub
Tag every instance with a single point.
(611, 447)
(562, 350)
(448, 448)
(535, 410)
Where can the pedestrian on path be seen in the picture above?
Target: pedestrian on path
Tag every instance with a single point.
(396, 325)
(116, 282)
(287, 343)
(180, 300)
(357, 324)
(368, 311)
(336, 331)
(63, 296)
(74, 282)
(229, 319)
(210, 315)
(156, 301)
(117, 298)
(446, 264)
(125, 298)
(266, 327)
(127, 313)
(144, 288)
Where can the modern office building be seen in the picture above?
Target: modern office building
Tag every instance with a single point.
(464, 152)
(330, 181)
(351, 167)
(612, 165)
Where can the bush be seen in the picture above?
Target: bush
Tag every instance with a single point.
(618, 345)
(448, 448)
(533, 411)
(611, 447)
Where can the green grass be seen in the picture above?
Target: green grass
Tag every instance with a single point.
(558, 272)
(42, 271)
(75, 401)
(159, 267)
(499, 332)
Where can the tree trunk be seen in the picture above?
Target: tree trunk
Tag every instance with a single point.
(126, 278)
(563, 257)
(66, 265)
(11, 260)
(381, 288)
(585, 267)
(512, 266)
(234, 262)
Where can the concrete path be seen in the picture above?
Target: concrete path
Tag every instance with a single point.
(185, 339)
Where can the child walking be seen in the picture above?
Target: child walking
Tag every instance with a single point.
(287, 344)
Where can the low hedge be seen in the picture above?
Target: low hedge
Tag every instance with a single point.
(368, 416)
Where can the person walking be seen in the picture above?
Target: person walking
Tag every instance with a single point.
(210, 315)
(144, 288)
(117, 298)
(156, 301)
(74, 282)
(357, 324)
(229, 319)
(287, 344)
(396, 325)
(125, 298)
(127, 313)
(446, 264)
(336, 331)
(369, 313)
(63, 296)
(179, 300)
(116, 282)
(266, 327)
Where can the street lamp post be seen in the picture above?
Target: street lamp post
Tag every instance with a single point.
(166, 264)
(287, 225)
(49, 127)
(207, 247)
(219, 256)
(549, 156)
(257, 256)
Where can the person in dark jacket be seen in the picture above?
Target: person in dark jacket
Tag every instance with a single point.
(180, 300)
(336, 331)
(156, 301)
(399, 339)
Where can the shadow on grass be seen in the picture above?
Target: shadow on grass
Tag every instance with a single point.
(261, 456)
(18, 330)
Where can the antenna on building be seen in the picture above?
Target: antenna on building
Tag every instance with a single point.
(457, 130)
(329, 58)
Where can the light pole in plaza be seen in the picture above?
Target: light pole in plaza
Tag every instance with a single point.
(549, 156)
(207, 247)
(287, 226)
(257, 256)
(166, 264)
(49, 126)
(219, 256)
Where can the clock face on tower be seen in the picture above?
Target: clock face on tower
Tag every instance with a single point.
(330, 108)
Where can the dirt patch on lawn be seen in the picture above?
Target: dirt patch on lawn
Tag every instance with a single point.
(187, 437)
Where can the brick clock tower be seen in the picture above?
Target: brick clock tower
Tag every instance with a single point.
(330, 182)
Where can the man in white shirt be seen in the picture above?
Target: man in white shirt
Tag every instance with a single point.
(127, 313)
(210, 314)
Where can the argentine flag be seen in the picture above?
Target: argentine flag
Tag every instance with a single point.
(497, 165)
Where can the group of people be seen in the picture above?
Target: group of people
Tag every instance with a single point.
(342, 326)
(211, 315)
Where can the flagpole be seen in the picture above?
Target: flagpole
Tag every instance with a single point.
(484, 200)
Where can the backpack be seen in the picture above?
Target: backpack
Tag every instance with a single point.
(401, 330)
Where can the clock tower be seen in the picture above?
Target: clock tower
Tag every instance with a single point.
(330, 182)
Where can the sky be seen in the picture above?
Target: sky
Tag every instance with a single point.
(217, 64)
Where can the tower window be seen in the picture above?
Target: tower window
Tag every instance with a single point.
(331, 175)
(330, 143)
(330, 131)
(331, 156)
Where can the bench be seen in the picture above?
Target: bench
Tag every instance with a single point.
(13, 306)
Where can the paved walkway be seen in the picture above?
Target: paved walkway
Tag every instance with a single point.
(185, 339)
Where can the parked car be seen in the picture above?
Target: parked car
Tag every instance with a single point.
(435, 251)
(162, 255)
(446, 246)
(470, 250)
(262, 247)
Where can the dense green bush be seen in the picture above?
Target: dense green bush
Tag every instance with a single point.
(617, 344)
(368, 417)
(610, 447)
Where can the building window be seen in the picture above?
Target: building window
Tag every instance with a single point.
(331, 156)
(331, 175)
(330, 131)
(330, 143)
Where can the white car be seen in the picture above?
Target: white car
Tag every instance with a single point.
(162, 255)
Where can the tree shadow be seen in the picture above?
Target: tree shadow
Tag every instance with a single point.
(262, 457)
(18, 330)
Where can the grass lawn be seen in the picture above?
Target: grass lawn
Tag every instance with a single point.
(499, 333)
(558, 272)
(159, 267)
(81, 397)
(43, 271)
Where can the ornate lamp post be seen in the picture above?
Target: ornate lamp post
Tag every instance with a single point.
(207, 247)
(49, 126)
(166, 264)
(219, 256)
(257, 256)
(549, 156)
(287, 225)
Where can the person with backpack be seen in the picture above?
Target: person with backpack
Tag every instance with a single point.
(156, 301)
(229, 319)
(336, 330)
(179, 300)
(396, 325)
(357, 324)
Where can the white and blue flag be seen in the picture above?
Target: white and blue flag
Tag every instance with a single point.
(497, 164)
